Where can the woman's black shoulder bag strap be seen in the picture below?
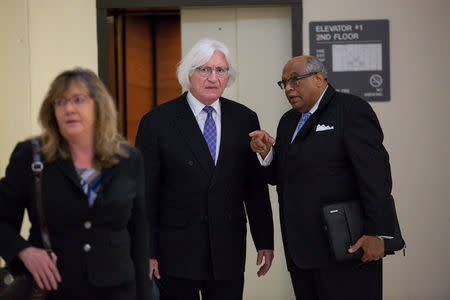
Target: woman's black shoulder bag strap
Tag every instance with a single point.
(37, 167)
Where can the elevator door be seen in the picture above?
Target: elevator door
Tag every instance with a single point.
(144, 51)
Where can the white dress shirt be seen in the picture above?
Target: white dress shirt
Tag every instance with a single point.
(200, 115)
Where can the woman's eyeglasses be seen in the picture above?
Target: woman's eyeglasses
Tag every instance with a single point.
(75, 100)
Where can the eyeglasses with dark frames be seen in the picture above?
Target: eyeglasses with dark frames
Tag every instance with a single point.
(207, 71)
(294, 80)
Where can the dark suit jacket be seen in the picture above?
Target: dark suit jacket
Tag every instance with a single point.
(347, 162)
(118, 234)
(196, 209)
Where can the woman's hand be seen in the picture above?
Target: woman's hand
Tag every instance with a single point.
(42, 267)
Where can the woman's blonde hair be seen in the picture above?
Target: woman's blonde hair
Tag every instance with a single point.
(108, 141)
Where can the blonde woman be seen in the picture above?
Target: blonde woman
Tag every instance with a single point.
(93, 198)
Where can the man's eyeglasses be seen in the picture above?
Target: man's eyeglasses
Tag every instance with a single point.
(207, 71)
(294, 80)
(75, 100)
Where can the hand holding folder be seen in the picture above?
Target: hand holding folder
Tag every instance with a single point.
(372, 246)
(344, 224)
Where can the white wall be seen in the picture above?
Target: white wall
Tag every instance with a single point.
(63, 35)
(40, 38)
(15, 122)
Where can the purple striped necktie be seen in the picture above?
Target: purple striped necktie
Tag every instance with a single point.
(210, 132)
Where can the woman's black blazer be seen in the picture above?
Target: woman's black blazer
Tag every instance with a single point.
(106, 245)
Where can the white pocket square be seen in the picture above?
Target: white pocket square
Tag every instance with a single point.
(324, 127)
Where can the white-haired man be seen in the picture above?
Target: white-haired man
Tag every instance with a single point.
(200, 173)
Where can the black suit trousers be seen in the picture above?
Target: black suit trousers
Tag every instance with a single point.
(351, 280)
(86, 291)
(173, 288)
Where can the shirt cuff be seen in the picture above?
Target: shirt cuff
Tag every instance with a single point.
(268, 160)
(385, 237)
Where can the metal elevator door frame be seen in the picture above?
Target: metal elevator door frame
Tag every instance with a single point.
(104, 5)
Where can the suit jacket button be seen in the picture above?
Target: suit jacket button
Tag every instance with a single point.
(86, 248)
(8, 279)
(87, 225)
(191, 163)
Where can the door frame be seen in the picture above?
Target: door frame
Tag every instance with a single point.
(104, 5)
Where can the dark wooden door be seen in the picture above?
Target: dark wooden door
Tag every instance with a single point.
(147, 49)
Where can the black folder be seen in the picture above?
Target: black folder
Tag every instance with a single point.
(344, 224)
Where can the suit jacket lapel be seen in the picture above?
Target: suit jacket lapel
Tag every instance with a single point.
(68, 169)
(284, 143)
(189, 130)
(226, 136)
(315, 116)
(292, 125)
(226, 129)
(107, 175)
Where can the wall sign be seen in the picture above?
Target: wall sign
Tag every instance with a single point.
(356, 54)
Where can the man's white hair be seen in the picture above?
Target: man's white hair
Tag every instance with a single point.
(199, 54)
